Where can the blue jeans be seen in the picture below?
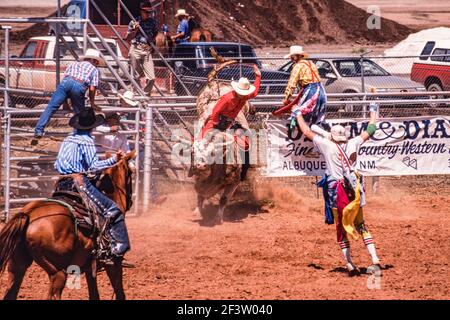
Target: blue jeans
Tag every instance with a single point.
(117, 229)
(68, 88)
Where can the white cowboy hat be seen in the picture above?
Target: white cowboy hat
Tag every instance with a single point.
(181, 12)
(295, 50)
(243, 87)
(93, 54)
(128, 97)
(338, 133)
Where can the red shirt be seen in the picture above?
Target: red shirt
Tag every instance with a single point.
(229, 105)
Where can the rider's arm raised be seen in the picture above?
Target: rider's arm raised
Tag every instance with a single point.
(257, 82)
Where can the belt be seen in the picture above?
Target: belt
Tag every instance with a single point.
(143, 44)
(138, 43)
(77, 80)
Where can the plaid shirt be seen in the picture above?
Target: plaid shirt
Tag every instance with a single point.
(150, 27)
(78, 154)
(303, 73)
(84, 71)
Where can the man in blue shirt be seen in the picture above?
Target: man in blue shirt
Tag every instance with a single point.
(140, 50)
(78, 154)
(183, 31)
(78, 78)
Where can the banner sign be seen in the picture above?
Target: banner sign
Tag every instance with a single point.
(400, 146)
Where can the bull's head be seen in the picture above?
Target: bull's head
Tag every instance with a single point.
(206, 154)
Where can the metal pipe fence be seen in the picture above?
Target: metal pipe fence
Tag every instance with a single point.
(351, 82)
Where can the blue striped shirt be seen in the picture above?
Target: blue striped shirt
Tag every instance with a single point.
(84, 71)
(78, 154)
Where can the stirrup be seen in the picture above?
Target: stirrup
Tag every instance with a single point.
(112, 261)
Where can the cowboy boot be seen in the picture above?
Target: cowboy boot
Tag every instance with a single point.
(118, 233)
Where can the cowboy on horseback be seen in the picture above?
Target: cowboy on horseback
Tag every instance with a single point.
(77, 156)
(228, 107)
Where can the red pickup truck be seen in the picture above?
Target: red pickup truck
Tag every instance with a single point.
(433, 67)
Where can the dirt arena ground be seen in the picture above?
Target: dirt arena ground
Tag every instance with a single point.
(275, 245)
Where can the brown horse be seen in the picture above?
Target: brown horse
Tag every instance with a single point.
(45, 232)
(166, 46)
(200, 35)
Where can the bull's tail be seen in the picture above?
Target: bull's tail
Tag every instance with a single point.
(10, 237)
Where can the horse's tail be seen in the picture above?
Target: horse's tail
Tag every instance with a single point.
(10, 237)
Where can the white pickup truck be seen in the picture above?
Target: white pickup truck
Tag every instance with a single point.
(35, 68)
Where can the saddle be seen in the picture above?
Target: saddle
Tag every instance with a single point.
(67, 193)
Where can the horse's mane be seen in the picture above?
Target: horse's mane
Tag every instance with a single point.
(108, 181)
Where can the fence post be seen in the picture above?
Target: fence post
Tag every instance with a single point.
(147, 157)
(57, 47)
(85, 28)
(137, 159)
(7, 144)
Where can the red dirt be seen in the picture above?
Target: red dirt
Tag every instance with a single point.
(291, 21)
(284, 252)
(284, 22)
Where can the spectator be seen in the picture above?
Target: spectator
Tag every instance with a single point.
(78, 78)
(141, 50)
(183, 31)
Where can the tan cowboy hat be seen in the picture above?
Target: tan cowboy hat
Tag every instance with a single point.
(93, 54)
(338, 133)
(243, 87)
(295, 50)
(181, 12)
(128, 97)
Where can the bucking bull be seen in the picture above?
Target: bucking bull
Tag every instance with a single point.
(217, 165)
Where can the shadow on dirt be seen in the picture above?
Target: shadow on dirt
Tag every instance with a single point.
(362, 270)
(235, 212)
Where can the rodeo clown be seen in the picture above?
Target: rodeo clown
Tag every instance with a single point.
(311, 100)
(343, 186)
(228, 107)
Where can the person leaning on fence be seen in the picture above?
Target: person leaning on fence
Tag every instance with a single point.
(312, 97)
(127, 99)
(78, 78)
(140, 50)
(76, 157)
(183, 31)
(111, 139)
(228, 107)
(343, 187)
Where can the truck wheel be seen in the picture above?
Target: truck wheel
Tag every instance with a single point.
(26, 101)
(434, 86)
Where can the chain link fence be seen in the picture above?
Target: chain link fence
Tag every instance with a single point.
(402, 86)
